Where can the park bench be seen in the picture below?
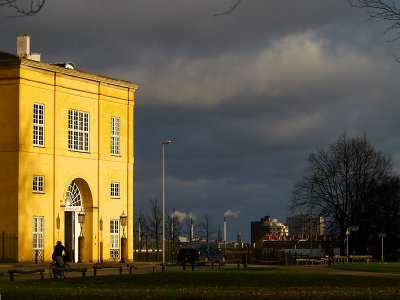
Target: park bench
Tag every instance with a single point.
(216, 262)
(366, 258)
(302, 260)
(340, 258)
(18, 271)
(140, 266)
(317, 261)
(77, 269)
(107, 266)
(209, 263)
(233, 261)
(166, 265)
(310, 261)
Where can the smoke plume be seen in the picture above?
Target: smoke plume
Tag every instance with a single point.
(230, 213)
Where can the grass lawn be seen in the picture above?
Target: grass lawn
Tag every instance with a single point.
(251, 283)
(393, 268)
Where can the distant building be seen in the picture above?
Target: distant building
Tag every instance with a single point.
(239, 238)
(303, 226)
(268, 229)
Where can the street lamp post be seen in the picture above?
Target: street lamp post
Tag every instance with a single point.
(165, 142)
(81, 238)
(124, 248)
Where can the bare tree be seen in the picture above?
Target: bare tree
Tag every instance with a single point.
(338, 182)
(153, 222)
(23, 8)
(140, 229)
(207, 228)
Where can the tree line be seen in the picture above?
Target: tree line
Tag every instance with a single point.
(352, 185)
(148, 226)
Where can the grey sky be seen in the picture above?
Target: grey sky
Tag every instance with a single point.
(245, 97)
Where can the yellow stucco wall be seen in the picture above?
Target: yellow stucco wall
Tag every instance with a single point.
(9, 90)
(60, 90)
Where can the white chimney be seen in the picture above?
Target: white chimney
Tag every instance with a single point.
(24, 47)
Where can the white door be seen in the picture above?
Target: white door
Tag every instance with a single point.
(73, 205)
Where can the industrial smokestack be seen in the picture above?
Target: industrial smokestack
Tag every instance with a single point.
(224, 229)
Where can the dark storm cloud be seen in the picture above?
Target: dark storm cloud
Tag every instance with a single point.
(245, 98)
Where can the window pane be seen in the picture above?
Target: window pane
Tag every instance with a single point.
(114, 136)
(38, 124)
(78, 133)
(38, 234)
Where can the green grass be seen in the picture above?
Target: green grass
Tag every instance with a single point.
(251, 283)
(393, 268)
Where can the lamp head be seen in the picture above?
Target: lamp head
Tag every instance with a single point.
(123, 218)
(81, 217)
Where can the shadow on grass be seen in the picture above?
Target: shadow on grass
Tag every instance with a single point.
(212, 284)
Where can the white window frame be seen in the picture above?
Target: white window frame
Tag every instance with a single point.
(38, 184)
(38, 233)
(114, 238)
(115, 136)
(38, 124)
(78, 130)
(114, 190)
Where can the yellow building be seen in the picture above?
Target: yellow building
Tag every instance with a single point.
(66, 147)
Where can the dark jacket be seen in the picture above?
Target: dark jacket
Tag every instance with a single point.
(58, 250)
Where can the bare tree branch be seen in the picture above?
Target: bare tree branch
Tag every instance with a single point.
(24, 9)
(387, 11)
(231, 9)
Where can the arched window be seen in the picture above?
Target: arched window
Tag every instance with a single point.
(73, 195)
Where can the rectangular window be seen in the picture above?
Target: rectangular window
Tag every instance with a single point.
(38, 233)
(38, 184)
(38, 124)
(114, 239)
(78, 130)
(114, 189)
(115, 136)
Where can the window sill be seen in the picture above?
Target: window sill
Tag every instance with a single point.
(79, 151)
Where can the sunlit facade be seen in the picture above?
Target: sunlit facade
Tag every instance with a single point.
(66, 146)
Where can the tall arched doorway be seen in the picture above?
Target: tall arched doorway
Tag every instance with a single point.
(73, 205)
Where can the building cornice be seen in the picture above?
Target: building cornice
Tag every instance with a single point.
(7, 60)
